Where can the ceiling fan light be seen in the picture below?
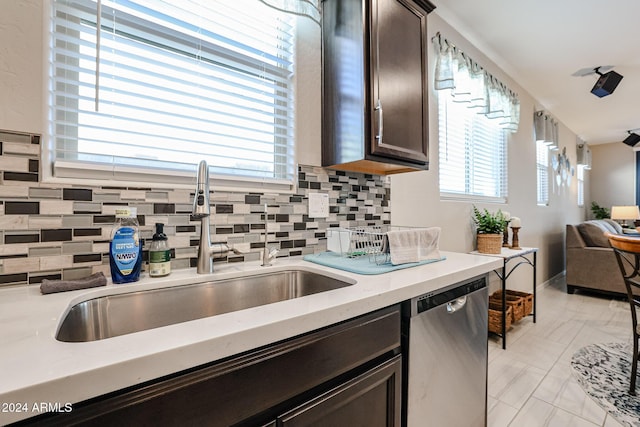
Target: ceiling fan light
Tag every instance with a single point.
(632, 139)
(606, 84)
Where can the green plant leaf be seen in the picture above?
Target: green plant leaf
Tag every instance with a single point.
(489, 223)
(599, 212)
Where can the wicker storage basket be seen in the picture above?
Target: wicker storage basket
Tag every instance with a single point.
(528, 300)
(489, 243)
(495, 317)
(515, 302)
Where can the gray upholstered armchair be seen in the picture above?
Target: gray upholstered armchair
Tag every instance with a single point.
(591, 262)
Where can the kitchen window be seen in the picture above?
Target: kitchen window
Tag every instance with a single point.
(145, 89)
(542, 169)
(473, 153)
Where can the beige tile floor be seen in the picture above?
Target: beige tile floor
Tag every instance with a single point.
(530, 384)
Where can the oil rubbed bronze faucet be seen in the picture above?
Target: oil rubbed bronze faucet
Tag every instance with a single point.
(202, 210)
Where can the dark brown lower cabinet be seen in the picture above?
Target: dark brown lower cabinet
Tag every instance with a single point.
(347, 374)
(369, 400)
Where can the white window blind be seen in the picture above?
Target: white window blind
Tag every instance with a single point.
(174, 83)
(580, 173)
(473, 156)
(542, 166)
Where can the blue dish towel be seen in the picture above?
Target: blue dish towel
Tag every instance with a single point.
(361, 265)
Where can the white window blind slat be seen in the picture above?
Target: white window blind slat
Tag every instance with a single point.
(179, 82)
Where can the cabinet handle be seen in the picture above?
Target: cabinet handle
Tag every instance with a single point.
(380, 121)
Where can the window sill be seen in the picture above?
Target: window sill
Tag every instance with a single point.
(453, 197)
(101, 175)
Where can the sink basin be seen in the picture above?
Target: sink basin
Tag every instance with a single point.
(121, 314)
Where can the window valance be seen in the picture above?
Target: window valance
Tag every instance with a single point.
(306, 8)
(471, 84)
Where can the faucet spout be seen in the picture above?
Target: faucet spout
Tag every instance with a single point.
(201, 206)
(268, 254)
(202, 211)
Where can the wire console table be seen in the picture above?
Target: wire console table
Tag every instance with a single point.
(524, 256)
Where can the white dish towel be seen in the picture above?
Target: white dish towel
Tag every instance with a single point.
(415, 245)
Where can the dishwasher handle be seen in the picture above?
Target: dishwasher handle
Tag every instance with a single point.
(456, 304)
(453, 298)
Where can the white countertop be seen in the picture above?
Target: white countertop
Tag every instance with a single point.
(36, 368)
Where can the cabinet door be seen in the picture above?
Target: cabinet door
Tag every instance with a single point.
(369, 400)
(399, 80)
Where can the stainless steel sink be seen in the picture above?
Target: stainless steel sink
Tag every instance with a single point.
(121, 314)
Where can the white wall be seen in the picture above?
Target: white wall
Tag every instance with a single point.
(21, 62)
(613, 175)
(416, 200)
(308, 75)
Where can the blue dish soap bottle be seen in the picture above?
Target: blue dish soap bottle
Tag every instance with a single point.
(125, 250)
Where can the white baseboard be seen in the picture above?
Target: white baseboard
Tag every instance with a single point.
(558, 276)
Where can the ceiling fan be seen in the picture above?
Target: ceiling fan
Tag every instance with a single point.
(607, 81)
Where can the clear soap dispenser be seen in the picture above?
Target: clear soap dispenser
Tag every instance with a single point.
(159, 253)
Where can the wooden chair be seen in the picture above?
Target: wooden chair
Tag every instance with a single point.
(627, 250)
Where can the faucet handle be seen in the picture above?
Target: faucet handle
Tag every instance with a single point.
(267, 255)
(237, 251)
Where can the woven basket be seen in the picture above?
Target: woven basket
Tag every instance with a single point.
(528, 300)
(495, 317)
(515, 302)
(489, 243)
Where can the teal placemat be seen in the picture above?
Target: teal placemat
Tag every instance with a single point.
(360, 265)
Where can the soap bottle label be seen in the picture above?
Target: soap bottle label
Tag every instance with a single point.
(159, 263)
(125, 249)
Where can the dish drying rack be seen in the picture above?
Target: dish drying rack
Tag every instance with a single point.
(368, 241)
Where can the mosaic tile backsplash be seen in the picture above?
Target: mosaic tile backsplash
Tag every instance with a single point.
(57, 231)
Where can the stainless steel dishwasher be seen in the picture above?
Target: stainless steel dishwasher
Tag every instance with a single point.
(446, 371)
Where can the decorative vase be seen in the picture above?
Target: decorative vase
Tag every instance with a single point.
(489, 243)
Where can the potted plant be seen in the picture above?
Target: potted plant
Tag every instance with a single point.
(599, 212)
(489, 229)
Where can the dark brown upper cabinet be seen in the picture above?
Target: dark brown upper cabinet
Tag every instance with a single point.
(374, 85)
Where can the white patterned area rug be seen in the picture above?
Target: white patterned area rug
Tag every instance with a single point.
(603, 371)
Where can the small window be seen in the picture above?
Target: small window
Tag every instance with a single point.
(580, 174)
(473, 154)
(172, 83)
(542, 166)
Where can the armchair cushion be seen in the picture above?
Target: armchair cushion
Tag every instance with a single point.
(617, 228)
(593, 234)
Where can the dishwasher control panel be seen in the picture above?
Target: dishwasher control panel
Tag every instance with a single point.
(431, 300)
